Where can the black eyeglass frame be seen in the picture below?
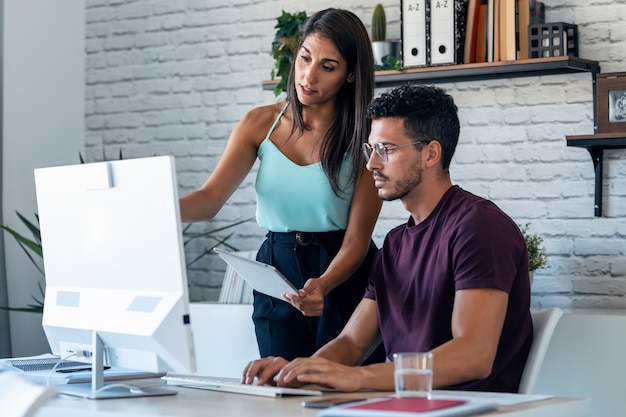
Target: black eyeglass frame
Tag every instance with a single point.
(383, 150)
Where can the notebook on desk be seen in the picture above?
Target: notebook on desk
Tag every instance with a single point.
(233, 385)
(411, 407)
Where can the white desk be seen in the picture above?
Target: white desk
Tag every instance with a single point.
(201, 403)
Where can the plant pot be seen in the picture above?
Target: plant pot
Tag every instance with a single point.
(531, 276)
(384, 48)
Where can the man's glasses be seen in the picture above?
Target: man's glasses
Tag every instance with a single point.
(383, 150)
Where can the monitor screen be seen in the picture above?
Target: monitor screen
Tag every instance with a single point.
(114, 263)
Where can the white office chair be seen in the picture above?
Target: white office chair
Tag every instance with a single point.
(544, 323)
(20, 397)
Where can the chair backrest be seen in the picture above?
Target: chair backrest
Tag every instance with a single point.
(544, 323)
(235, 290)
(20, 397)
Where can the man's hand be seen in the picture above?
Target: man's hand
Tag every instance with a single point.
(310, 299)
(319, 371)
(263, 370)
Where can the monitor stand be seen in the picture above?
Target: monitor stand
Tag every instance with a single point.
(98, 390)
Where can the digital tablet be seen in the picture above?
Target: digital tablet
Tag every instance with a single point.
(262, 277)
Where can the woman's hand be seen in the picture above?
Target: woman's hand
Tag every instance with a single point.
(310, 299)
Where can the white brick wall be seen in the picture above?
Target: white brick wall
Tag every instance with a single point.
(169, 77)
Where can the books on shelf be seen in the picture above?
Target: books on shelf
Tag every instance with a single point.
(415, 33)
(491, 4)
(481, 39)
(522, 12)
(433, 32)
(471, 31)
(467, 31)
(507, 33)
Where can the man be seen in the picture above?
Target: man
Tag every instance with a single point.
(453, 280)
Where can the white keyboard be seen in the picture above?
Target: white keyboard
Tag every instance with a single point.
(233, 385)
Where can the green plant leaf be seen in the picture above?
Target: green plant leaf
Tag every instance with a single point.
(537, 255)
(34, 229)
(24, 242)
(284, 46)
(29, 309)
(389, 63)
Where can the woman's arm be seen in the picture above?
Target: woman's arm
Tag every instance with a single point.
(364, 211)
(232, 168)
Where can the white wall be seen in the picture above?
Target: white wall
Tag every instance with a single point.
(169, 77)
(44, 83)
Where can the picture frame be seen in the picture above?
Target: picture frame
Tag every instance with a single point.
(611, 102)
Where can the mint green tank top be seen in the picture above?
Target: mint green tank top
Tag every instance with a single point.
(291, 197)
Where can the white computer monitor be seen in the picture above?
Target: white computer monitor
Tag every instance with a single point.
(116, 282)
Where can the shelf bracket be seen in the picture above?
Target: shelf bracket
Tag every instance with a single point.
(597, 156)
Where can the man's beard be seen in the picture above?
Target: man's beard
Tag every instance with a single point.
(403, 186)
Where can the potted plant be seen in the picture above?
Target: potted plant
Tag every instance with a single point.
(537, 255)
(284, 46)
(385, 51)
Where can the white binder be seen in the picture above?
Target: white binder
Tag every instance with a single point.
(442, 30)
(414, 33)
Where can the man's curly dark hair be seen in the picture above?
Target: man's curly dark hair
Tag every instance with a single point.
(429, 113)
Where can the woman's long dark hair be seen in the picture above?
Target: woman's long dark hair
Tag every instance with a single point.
(350, 127)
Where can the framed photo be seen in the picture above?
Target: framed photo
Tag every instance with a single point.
(611, 102)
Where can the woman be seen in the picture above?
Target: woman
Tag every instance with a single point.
(313, 193)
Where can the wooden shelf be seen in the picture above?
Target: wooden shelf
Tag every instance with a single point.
(481, 71)
(598, 140)
(596, 144)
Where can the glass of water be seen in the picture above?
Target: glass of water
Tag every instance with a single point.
(413, 374)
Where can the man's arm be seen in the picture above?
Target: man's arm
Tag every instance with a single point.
(477, 320)
(335, 364)
(358, 339)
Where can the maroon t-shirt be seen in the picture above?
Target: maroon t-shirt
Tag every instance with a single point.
(466, 242)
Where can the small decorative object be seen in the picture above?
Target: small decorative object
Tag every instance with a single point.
(611, 102)
(385, 51)
(552, 39)
(284, 46)
(537, 256)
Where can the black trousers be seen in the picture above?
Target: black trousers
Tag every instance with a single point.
(282, 330)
